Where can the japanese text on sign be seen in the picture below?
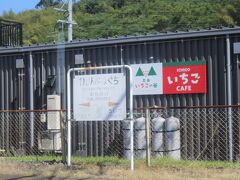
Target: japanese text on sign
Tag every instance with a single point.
(99, 97)
(169, 78)
(147, 78)
(184, 79)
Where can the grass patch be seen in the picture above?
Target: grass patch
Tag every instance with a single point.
(106, 160)
(168, 162)
(43, 158)
(76, 160)
(115, 161)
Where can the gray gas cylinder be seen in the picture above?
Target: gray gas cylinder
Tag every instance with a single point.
(157, 136)
(127, 139)
(173, 137)
(140, 135)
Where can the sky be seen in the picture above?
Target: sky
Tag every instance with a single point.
(17, 5)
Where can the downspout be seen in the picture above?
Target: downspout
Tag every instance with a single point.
(229, 98)
(31, 99)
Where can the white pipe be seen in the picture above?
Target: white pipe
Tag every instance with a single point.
(148, 130)
(69, 116)
(69, 106)
(229, 95)
(131, 116)
(31, 99)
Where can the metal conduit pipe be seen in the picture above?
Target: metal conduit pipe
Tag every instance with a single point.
(229, 97)
(31, 98)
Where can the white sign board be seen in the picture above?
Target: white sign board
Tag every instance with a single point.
(147, 79)
(236, 48)
(99, 97)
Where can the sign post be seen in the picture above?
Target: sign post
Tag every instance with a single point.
(103, 92)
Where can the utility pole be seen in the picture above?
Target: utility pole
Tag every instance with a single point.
(69, 20)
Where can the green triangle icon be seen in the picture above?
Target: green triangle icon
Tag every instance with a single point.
(152, 72)
(139, 72)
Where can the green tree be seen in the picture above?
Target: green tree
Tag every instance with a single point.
(47, 3)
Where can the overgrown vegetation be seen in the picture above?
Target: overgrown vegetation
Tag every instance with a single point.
(77, 160)
(113, 161)
(104, 18)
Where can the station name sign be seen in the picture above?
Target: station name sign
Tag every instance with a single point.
(99, 97)
(170, 78)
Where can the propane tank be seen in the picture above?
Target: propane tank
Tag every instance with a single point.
(140, 134)
(157, 136)
(173, 137)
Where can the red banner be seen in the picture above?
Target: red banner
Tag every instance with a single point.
(185, 77)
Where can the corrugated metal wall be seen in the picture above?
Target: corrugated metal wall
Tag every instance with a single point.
(211, 49)
(15, 81)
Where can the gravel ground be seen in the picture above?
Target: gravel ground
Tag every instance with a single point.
(14, 171)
